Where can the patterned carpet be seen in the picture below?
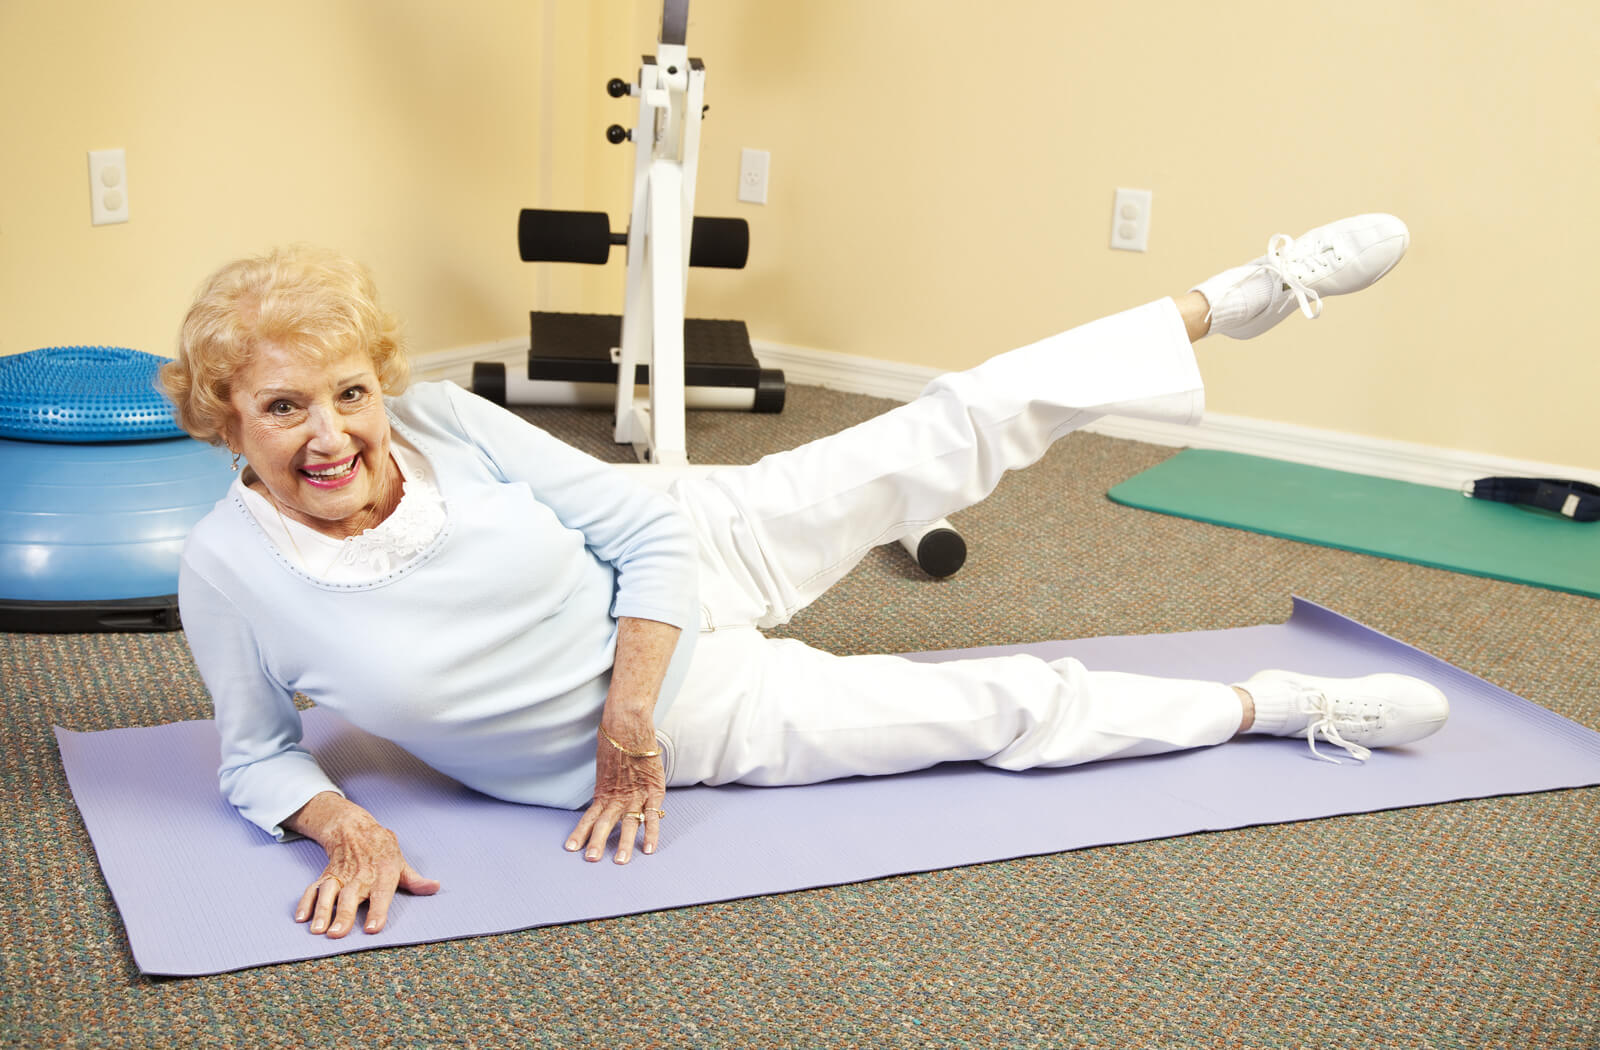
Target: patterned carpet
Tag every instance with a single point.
(1474, 924)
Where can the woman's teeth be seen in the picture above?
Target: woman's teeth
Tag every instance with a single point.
(329, 473)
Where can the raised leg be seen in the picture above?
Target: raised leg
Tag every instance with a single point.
(777, 534)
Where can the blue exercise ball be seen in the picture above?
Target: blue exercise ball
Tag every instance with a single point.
(98, 495)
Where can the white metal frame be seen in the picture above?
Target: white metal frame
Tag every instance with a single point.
(666, 138)
(666, 142)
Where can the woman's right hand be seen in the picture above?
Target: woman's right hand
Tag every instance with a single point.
(364, 864)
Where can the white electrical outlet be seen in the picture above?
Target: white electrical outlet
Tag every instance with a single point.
(108, 186)
(753, 175)
(1130, 220)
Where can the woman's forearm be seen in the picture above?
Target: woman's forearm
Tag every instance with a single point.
(644, 651)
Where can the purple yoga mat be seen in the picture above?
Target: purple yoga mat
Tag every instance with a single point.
(201, 891)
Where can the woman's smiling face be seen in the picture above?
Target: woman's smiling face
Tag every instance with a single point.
(316, 435)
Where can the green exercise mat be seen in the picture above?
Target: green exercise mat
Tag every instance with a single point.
(1391, 519)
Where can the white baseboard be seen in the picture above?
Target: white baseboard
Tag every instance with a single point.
(847, 372)
(1399, 460)
(456, 365)
(1354, 453)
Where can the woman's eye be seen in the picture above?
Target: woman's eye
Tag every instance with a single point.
(355, 393)
(280, 408)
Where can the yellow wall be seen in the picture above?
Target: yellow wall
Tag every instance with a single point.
(942, 176)
(405, 132)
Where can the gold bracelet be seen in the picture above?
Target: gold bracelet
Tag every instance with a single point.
(631, 754)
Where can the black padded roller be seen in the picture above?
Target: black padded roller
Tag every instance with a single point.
(586, 237)
(563, 236)
(723, 243)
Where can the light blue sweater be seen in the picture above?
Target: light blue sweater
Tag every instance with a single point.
(487, 656)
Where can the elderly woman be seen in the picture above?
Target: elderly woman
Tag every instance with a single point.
(534, 624)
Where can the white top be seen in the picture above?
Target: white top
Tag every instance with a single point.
(487, 654)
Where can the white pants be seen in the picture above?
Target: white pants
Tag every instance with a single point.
(775, 535)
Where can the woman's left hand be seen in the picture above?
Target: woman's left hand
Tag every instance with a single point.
(626, 789)
(629, 784)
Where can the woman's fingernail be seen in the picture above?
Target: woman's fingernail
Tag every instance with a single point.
(593, 854)
(372, 927)
(572, 846)
(649, 848)
(300, 916)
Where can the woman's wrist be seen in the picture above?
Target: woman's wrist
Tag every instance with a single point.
(638, 749)
(629, 726)
(326, 815)
(627, 709)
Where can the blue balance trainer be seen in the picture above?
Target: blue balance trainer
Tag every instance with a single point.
(98, 489)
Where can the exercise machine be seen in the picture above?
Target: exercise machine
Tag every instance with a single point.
(684, 362)
(588, 359)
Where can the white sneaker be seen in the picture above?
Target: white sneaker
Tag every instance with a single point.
(1380, 710)
(1336, 259)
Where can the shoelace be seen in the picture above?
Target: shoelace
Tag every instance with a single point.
(1327, 724)
(1277, 262)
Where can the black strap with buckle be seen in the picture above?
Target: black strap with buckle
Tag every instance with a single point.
(1577, 500)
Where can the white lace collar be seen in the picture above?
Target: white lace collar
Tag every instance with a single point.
(415, 522)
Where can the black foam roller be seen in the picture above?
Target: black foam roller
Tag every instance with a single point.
(769, 391)
(489, 381)
(723, 243)
(941, 553)
(564, 236)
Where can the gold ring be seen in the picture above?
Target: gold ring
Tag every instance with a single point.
(634, 816)
(658, 812)
(333, 878)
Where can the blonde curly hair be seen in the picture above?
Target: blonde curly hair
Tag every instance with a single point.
(307, 300)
